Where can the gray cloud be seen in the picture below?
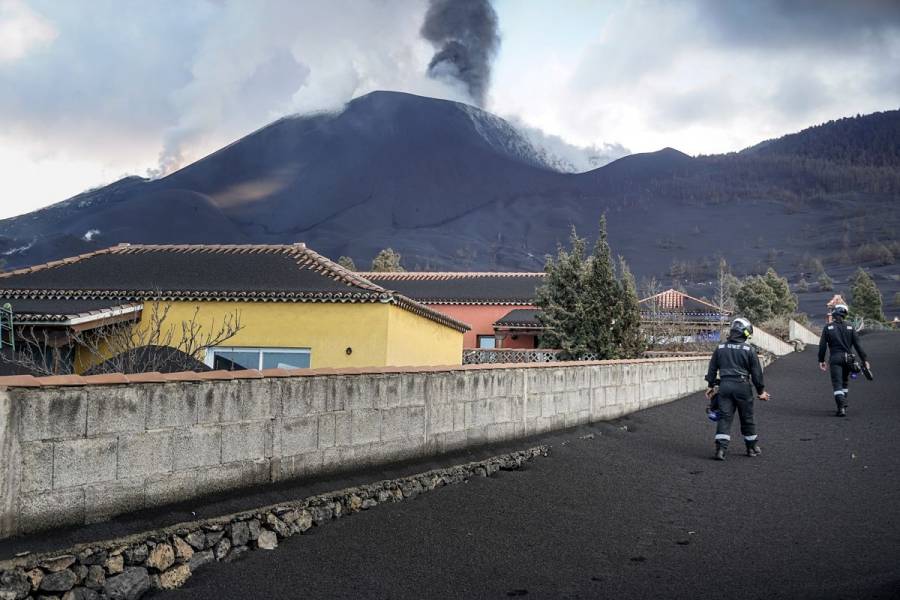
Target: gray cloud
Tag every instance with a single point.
(464, 32)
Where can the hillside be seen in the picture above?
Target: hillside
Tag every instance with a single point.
(453, 187)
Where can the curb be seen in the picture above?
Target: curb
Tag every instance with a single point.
(126, 568)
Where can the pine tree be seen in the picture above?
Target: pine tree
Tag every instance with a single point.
(601, 300)
(785, 302)
(559, 299)
(632, 338)
(347, 263)
(387, 261)
(825, 283)
(586, 309)
(865, 298)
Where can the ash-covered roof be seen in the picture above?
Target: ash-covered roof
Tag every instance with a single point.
(521, 318)
(253, 273)
(462, 287)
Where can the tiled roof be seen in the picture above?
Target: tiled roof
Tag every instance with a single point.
(61, 311)
(521, 318)
(463, 287)
(674, 301)
(253, 273)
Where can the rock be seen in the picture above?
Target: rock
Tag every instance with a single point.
(35, 576)
(183, 550)
(136, 555)
(92, 557)
(221, 549)
(58, 563)
(354, 503)
(174, 577)
(480, 472)
(197, 540)
(14, 585)
(236, 553)
(130, 585)
(81, 572)
(81, 594)
(304, 521)
(240, 534)
(213, 537)
(369, 503)
(201, 558)
(320, 514)
(384, 495)
(254, 526)
(161, 557)
(267, 540)
(96, 577)
(116, 564)
(278, 525)
(337, 510)
(214, 527)
(61, 581)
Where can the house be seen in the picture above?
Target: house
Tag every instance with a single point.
(672, 312)
(492, 304)
(295, 308)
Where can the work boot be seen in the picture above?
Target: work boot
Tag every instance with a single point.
(841, 406)
(753, 449)
(720, 452)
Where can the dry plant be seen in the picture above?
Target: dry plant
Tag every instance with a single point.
(123, 347)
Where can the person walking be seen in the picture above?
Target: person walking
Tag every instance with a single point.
(840, 338)
(735, 367)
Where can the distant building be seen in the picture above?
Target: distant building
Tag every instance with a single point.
(297, 308)
(499, 307)
(676, 314)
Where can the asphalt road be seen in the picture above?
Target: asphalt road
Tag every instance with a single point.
(641, 512)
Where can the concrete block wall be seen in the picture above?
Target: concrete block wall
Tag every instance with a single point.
(796, 331)
(87, 451)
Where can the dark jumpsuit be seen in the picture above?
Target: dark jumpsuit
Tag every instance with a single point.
(737, 366)
(840, 338)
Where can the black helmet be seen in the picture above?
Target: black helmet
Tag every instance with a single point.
(840, 311)
(742, 327)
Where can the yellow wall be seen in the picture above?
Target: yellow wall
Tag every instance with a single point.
(415, 340)
(379, 334)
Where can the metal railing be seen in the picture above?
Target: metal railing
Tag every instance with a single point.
(7, 334)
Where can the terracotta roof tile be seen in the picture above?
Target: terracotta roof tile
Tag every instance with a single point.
(106, 379)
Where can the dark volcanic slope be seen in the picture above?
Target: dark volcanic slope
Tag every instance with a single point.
(637, 513)
(453, 187)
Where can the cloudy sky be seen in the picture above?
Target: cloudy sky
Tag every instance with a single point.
(92, 90)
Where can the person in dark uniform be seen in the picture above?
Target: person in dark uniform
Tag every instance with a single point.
(840, 338)
(739, 371)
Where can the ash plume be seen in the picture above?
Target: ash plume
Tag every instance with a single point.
(464, 34)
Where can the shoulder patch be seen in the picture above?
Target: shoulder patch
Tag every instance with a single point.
(850, 327)
(830, 327)
(745, 347)
(721, 346)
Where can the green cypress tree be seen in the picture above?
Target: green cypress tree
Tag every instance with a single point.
(559, 299)
(865, 297)
(602, 300)
(629, 326)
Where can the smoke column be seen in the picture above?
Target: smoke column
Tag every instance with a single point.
(464, 34)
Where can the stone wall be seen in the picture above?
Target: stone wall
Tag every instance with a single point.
(77, 450)
(770, 343)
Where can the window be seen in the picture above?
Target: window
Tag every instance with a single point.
(487, 341)
(239, 359)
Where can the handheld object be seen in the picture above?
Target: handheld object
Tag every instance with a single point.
(868, 373)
